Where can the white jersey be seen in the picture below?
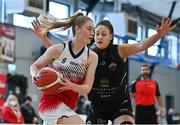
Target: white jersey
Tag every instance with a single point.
(72, 66)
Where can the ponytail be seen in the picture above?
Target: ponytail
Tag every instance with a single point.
(49, 22)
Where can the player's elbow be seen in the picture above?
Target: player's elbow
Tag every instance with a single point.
(87, 89)
(33, 70)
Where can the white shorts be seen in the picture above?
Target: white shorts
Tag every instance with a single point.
(50, 117)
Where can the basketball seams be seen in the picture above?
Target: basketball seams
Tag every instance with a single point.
(58, 80)
(48, 80)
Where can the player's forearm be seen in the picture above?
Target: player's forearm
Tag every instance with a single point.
(84, 88)
(148, 42)
(46, 41)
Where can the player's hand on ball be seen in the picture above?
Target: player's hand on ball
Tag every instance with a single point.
(67, 85)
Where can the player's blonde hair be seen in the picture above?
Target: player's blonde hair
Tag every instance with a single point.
(50, 22)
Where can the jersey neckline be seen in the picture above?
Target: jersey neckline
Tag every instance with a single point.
(71, 51)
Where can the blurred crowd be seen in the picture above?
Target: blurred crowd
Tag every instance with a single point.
(15, 112)
(16, 109)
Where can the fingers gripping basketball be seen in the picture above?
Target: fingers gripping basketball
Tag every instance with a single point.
(48, 80)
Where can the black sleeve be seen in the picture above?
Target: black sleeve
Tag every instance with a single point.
(23, 111)
(33, 112)
(157, 89)
(133, 90)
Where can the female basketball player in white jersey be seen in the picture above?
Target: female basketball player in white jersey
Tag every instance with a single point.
(74, 60)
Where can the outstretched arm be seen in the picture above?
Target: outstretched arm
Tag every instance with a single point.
(126, 50)
(43, 37)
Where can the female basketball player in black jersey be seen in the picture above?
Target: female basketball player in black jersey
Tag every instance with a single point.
(109, 95)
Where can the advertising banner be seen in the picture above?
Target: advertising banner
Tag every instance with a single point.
(7, 43)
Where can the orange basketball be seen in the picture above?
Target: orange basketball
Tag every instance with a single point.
(48, 80)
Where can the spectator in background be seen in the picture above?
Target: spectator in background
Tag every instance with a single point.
(28, 111)
(11, 112)
(82, 105)
(2, 101)
(162, 118)
(170, 115)
(176, 118)
(17, 92)
(146, 92)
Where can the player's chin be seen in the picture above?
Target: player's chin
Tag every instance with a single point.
(100, 46)
(88, 42)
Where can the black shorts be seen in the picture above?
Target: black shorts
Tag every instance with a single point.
(101, 114)
(145, 115)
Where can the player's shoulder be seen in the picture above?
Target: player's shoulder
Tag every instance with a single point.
(57, 46)
(92, 54)
(56, 49)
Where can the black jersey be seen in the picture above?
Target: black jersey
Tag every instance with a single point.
(110, 83)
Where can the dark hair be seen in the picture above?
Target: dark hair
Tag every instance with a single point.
(145, 65)
(107, 24)
(27, 98)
